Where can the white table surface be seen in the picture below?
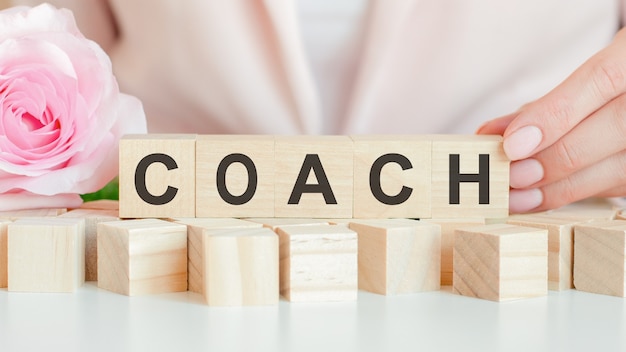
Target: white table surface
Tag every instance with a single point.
(97, 320)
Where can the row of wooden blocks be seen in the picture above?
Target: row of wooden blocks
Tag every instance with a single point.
(252, 261)
(313, 176)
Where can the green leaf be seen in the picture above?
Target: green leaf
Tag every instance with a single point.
(110, 191)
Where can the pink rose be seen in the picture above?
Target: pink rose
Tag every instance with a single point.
(61, 114)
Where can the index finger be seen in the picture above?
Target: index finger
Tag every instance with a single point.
(544, 121)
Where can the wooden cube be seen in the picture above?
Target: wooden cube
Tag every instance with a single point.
(560, 247)
(448, 228)
(138, 257)
(398, 256)
(46, 255)
(234, 176)
(101, 204)
(501, 262)
(600, 257)
(591, 209)
(92, 218)
(339, 222)
(4, 226)
(275, 223)
(157, 176)
(31, 213)
(195, 244)
(318, 263)
(240, 267)
(392, 176)
(470, 177)
(621, 215)
(314, 176)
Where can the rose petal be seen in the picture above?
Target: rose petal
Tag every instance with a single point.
(21, 20)
(61, 112)
(26, 52)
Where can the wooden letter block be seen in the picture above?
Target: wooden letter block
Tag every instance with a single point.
(398, 256)
(470, 177)
(314, 176)
(241, 267)
(599, 257)
(501, 262)
(234, 176)
(46, 255)
(92, 218)
(448, 228)
(4, 226)
(137, 257)
(157, 176)
(392, 176)
(560, 247)
(195, 244)
(318, 263)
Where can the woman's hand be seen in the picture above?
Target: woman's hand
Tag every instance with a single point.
(571, 143)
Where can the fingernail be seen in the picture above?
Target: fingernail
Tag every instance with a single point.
(522, 142)
(525, 173)
(522, 201)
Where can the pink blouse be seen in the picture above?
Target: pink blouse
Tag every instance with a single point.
(411, 66)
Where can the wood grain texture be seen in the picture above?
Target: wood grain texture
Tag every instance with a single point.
(398, 256)
(336, 156)
(240, 267)
(46, 255)
(4, 227)
(275, 223)
(581, 213)
(501, 262)
(416, 176)
(340, 222)
(181, 148)
(195, 229)
(92, 218)
(560, 247)
(469, 148)
(599, 257)
(318, 263)
(139, 257)
(448, 228)
(101, 204)
(210, 151)
(31, 213)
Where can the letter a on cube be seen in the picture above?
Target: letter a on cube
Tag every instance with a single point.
(314, 177)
